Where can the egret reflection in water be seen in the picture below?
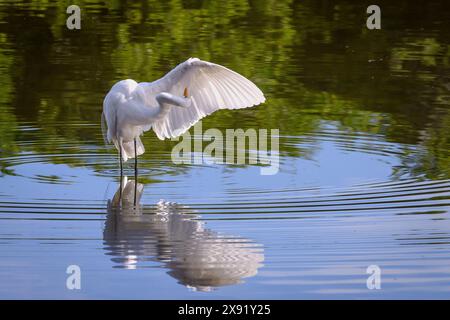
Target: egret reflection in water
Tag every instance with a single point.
(171, 234)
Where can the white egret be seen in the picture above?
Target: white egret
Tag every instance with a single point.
(172, 104)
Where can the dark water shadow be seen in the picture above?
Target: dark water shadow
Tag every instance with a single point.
(172, 235)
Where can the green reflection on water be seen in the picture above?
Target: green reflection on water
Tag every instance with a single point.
(315, 61)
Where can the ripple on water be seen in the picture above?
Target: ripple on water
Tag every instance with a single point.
(220, 226)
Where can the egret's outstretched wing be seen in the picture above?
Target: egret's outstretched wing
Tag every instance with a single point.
(210, 86)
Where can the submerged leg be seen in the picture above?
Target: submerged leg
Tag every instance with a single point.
(135, 172)
(120, 161)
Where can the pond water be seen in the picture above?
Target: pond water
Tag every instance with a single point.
(364, 139)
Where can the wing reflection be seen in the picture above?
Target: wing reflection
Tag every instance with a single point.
(170, 233)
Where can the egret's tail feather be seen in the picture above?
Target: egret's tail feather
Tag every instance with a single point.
(128, 149)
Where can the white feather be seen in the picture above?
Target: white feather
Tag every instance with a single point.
(210, 86)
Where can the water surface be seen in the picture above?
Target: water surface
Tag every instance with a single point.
(364, 120)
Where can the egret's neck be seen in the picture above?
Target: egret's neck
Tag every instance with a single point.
(165, 102)
(163, 110)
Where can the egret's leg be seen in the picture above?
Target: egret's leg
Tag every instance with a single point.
(121, 175)
(135, 172)
(120, 161)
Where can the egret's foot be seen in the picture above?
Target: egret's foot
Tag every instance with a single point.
(185, 93)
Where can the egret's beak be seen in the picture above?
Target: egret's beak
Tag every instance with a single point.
(185, 92)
